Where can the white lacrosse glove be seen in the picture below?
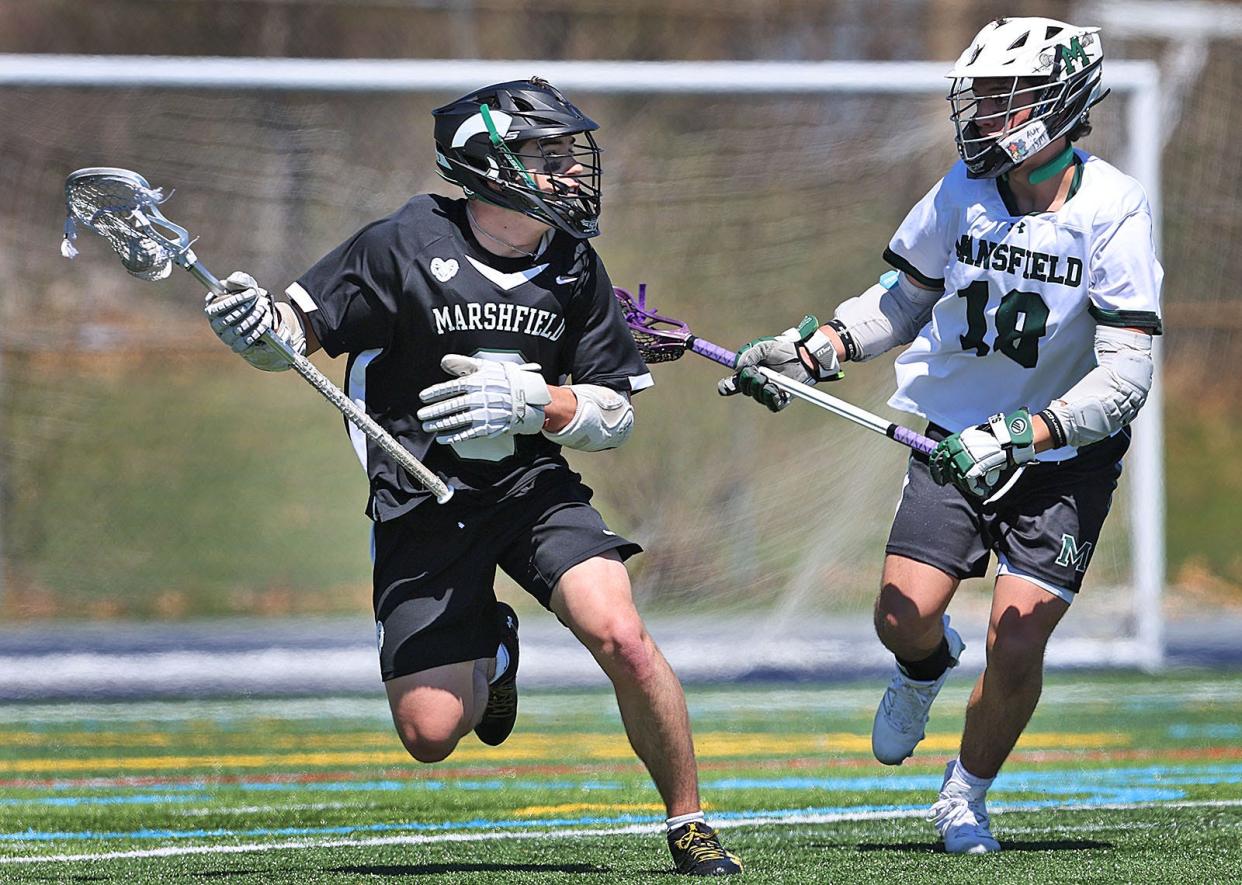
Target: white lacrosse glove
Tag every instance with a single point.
(487, 399)
(242, 316)
(802, 353)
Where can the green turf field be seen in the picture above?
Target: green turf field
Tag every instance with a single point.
(1119, 779)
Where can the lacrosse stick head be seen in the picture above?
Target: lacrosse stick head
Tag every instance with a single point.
(123, 208)
(660, 339)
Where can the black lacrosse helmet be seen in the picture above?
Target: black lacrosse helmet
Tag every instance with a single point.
(477, 138)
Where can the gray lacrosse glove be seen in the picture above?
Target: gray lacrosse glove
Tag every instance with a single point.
(487, 399)
(802, 353)
(244, 313)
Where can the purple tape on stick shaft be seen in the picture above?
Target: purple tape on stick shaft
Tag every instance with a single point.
(914, 440)
(715, 352)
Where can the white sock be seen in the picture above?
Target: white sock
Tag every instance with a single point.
(682, 819)
(974, 787)
(502, 662)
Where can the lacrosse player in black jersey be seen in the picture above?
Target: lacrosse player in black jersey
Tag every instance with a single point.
(463, 321)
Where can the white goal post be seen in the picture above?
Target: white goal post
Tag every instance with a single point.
(1137, 82)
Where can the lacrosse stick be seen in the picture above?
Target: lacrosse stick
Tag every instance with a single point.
(123, 208)
(661, 339)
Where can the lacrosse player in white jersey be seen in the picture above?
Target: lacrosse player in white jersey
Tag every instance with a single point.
(1026, 292)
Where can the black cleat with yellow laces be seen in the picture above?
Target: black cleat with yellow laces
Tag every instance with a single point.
(697, 852)
(501, 710)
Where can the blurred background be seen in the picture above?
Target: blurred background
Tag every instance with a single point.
(153, 485)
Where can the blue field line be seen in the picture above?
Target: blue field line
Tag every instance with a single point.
(449, 826)
(1209, 731)
(1056, 780)
(142, 799)
(429, 785)
(1088, 787)
(1090, 782)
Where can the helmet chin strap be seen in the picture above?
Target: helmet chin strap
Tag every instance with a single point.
(503, 148)
(1055, 166)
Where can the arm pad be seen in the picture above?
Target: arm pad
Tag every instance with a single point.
(1110, 395)
(603, 420)
(887, 315)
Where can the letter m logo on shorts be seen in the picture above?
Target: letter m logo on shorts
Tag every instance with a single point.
(1072, 554)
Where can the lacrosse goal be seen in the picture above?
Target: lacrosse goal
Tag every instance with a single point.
(743, 194)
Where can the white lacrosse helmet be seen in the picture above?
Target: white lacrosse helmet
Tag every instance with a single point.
(1052, 68)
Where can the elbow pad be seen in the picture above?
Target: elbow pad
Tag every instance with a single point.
(1110, 395)
(887, 315)
(603, 420)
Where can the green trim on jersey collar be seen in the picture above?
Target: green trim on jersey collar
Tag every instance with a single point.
(1053, 166)
(1006, 193)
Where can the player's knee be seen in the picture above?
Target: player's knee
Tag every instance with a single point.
(1017, 654)
(898, 618)
(428, 743)
(428, 751)
(623, 644)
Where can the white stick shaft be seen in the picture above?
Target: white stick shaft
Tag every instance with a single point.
(826, 401)
(360, 419)
(333, 394)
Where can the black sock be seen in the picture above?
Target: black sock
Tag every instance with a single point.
(931, 667)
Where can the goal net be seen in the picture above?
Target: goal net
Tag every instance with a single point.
(743, 195)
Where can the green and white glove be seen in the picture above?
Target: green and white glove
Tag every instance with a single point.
(802, 353)
(976, 459)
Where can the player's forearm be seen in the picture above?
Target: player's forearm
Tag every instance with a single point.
(559, 412)
(598, 417)
(832, 336)
(312, 340)
(887, 315)
(1042, 434)
(1109, 396)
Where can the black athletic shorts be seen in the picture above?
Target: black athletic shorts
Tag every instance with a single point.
(1044, 529)
(435, 567)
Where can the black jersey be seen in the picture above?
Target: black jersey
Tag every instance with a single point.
(412, 287)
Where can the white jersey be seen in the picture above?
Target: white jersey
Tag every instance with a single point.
(1023, 294)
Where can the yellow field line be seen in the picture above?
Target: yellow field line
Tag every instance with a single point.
(580, 807)
(543, 747)
(215, 740)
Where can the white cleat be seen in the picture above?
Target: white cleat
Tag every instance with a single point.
(962, 822)
(901, 720)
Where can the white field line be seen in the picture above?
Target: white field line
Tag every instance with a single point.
(792, 818)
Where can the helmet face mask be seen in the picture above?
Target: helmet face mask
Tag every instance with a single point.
(523, 146)
(1022, 84)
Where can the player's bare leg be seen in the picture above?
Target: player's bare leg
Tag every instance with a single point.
(1005, 695)
(434, 709)
(1023, 618)
(910, 621)
(594, 600)
(910, 610)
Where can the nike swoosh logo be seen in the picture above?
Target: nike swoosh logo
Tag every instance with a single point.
(561, 281)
